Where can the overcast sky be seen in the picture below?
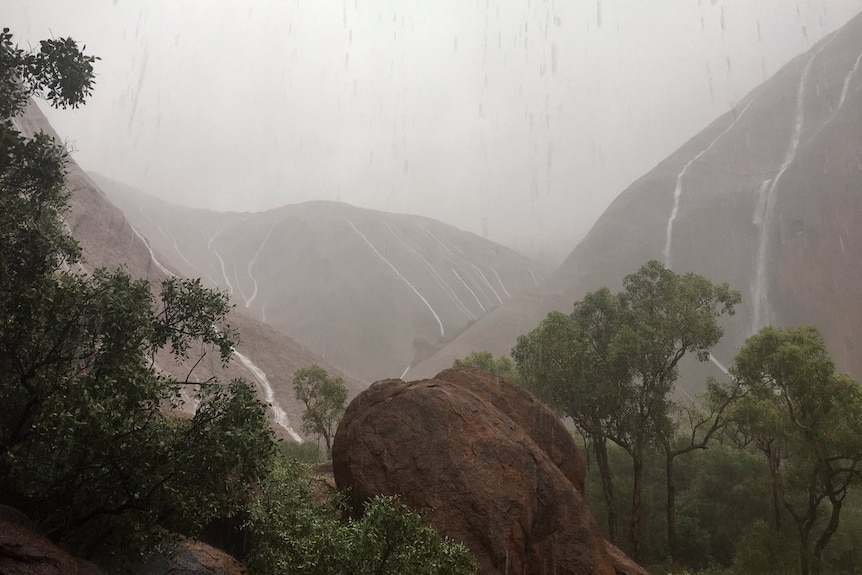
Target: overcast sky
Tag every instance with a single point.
(516, 119)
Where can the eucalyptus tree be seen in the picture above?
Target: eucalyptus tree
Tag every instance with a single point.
(696, 424)
(804, 417)
(325, 399)
(611, 364)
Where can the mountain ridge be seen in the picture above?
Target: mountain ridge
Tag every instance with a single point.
(372, 291)
(263, 355)
(749, 200)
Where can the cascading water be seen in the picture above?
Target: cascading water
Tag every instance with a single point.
(762, 313)
(400, 275)
(677, 192)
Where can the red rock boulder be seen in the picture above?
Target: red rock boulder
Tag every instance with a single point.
(24, 551)
(490, 465)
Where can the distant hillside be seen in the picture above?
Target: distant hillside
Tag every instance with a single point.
(767, 198)
(372, 292)
(264, 355)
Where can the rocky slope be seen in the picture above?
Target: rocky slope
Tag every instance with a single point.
(370, 291)
(264, 355)
(767, 198)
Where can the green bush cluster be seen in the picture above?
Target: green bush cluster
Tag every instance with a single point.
(294, 535)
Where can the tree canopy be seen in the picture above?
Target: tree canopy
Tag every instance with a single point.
(804, 417)
(502, 366)
(325, 399)
(612, 363)
(91, 442)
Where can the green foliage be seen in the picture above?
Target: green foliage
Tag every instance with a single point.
(612, 363)
(293, 535)
(58, 72)
(90, 442)
(325, 399)
(390, 538)
(805, 419)
(502, 366)
(290, 533)
(304, 452)
(761, 549)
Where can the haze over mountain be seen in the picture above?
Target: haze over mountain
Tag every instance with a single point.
(768, 198)
(264, 355)
(370, 291)
(735, 203)
(517, 121)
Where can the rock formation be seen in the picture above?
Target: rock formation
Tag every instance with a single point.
(766, 198)
(190, 558)
(489, 465)
(23, 551)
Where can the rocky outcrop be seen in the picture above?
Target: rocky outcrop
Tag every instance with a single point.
(190, 558)
(490, 465)
(23, 551)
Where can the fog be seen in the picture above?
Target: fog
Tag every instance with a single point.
(519, 121)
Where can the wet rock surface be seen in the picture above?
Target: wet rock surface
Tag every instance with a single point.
(489, 465)
(24, 551)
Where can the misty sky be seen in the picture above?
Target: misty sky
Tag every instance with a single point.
(518, 120)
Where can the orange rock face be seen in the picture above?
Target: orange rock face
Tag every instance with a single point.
(490, 465)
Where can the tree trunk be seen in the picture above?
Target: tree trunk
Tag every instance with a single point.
(827, 534)
(776, 489)
(671, 506)
(601, 449)
(637, 488)
(804, 554)
(328, 440)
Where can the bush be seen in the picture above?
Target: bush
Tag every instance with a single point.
(292, 535)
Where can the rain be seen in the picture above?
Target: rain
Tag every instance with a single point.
(515, 121)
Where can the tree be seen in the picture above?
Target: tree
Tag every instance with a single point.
(325, 399)
(567, 362)
(611, 365)
(502, 366)
(90, 443)
(805, 419)
(701, 425)
(59, 72)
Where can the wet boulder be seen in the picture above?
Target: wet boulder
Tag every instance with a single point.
(487, 463)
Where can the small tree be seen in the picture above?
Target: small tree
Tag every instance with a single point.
(325, 399)
(502, 366)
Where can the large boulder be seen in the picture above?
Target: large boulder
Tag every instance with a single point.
(490, 465)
